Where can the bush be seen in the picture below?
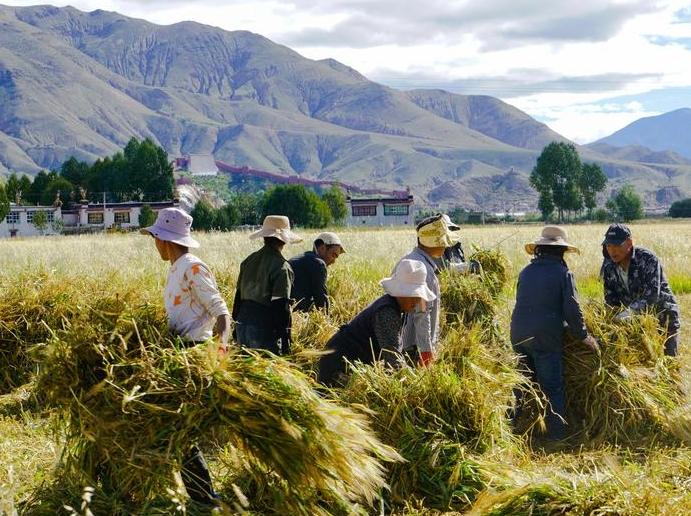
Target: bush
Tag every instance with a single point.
(680, 209)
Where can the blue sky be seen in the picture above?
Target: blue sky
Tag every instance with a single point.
(586, 68)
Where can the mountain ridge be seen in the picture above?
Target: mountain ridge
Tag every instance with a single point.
(76, 83)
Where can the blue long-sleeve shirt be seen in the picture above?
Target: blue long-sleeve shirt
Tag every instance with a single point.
(546, 297)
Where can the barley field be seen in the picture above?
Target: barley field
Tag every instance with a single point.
(447, 423)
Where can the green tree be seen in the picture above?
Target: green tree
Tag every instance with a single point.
(302, 206)
(12, 186)
(336, 201)
(204, 216)
(556, 177)
(680, 209)
(226, 217)
(24, 186)
(591, 182)
(150, 173)
(59, 184)
(4, 203)
(626, 205)
(40, 221)
(147, 216)
(40, 183)
(75, 171)
(249, 206)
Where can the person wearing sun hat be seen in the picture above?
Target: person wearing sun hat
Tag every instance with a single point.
(196, 312)
(261, 309)
(421, 327)
(310, 269)
(374, 334)
(634, 282)
(546, 299)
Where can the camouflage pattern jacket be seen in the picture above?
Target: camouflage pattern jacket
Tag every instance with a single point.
(647, 290)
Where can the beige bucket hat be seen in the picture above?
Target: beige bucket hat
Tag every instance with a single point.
(408, 280)
(277, 226)
(552, 235)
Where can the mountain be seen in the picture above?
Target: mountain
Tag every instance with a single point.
(83, 84)
(666, 132)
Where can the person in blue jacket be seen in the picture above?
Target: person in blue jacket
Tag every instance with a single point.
(547, 305)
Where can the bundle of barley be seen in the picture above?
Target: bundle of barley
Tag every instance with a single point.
(465, 300)
(441, 419)
(311, 331)
(133, 407)
(630, 390)
(495, 269)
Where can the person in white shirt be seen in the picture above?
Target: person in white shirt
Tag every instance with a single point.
(196, 312)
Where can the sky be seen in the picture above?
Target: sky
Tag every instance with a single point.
(586, 68)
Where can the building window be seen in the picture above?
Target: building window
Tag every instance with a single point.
(368, 210)
(30, 216)
(13, 217)
(50, 216)
(95, 218)
(395, 209)
(122, 217)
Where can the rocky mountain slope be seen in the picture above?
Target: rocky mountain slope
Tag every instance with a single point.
(76, 83)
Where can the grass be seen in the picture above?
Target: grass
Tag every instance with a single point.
(447, 421)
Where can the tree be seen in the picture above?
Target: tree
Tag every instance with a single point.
(302, 206)
(150, 174)
(591, 182)
(226, 217)
(336, 201)
(59, 184)
(204, 216)
(40, 183)
(626, 205)
(556, 178)
(249, 206)
(147, 216)
(12, 186)
(680, 208)
(4, 203)
(75, 171)
(40, 221)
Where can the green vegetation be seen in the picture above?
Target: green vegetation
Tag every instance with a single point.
(680, 209)
(564, 183)
(626, 205)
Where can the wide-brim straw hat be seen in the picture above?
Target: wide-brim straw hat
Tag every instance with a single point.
(552, 236)
(277, 226)
(408, 280)
(172, 225)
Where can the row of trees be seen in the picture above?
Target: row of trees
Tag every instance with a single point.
(140, 172)
(304, 208)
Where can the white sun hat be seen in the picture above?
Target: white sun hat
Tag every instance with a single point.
(277, 226)
(408, 280)
(172, 225)
(330, 238)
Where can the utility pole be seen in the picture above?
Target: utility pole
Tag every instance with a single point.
(104, 211)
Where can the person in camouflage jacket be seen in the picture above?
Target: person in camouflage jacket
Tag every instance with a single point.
(634, 281)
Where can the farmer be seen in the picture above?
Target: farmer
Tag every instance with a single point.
(309, 285)
(635, 282)
(374, 333)
(421, 327)
(261, 308)
(545, 299)
(453, 257)
(196, 312)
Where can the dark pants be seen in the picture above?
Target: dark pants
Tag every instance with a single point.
(332, 367)
(196, 477)
(252, 336)
(673, 330)
(547, 369)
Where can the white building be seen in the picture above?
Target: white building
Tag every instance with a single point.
(80, 218)
(124, 215)
(380, 211)
(20, 221)
(198, 164)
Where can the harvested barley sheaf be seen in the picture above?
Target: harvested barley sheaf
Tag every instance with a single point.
(447, 420)
(630, 390)
(133, 403)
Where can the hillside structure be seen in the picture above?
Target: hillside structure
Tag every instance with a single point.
(197, 164)
(380, 210)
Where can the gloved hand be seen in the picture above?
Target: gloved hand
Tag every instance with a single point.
(624, 315)
(426, 358)
(592, 344)
(475, 267)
